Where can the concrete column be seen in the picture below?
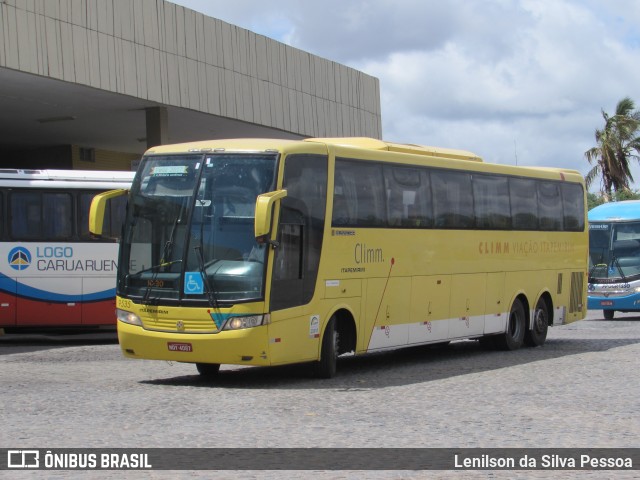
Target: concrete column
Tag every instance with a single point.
(157, 126)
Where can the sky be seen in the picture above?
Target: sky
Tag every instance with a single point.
(519, 82)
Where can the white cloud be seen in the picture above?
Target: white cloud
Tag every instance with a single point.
(503, 78)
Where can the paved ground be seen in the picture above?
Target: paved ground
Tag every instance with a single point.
(579, 390)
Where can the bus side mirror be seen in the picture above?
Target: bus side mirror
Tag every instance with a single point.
(98, 207)
(264, 212)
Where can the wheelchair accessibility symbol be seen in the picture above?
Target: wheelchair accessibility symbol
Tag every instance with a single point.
(193, 284)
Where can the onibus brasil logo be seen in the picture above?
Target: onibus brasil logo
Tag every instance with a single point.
(19, 258)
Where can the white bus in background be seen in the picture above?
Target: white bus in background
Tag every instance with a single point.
(53, 273)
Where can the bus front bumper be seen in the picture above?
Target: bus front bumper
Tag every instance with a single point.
(625, 303)
(238, 347)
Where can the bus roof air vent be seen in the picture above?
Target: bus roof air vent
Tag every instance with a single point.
(367, 143)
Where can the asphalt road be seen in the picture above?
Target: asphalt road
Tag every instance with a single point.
(579, 390)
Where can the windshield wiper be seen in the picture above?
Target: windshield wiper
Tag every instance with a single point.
(211, 296)
(168, 246)
(166, 254)
(615, 260)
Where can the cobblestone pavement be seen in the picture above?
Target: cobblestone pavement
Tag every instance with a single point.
(579, 390)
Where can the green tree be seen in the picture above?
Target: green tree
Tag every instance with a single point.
(594, 200)
(616, 144)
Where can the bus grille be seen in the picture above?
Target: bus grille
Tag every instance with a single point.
(204, 325)
(577, 284)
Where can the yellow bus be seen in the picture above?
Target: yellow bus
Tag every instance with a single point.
(271, 252)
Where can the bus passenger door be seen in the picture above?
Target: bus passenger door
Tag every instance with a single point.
(467, 305)
(294, 329)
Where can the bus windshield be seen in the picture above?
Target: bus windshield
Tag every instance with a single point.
(189, 234)
(614, 250)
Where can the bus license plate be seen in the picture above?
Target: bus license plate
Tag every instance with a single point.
(606, 303)
(179, 347)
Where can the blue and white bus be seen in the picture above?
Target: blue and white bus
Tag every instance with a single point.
(614, 258)
(53, 272)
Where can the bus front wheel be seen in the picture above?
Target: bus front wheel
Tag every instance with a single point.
(326, 366)
(608, 314)
(208, 370)
(513, 337)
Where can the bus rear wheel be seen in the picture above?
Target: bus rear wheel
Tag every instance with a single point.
(326, 366)
(513, 337)
(208, 370)
(538, 333)
(608, 314)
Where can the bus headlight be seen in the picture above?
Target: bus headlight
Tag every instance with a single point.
(238, 323)
(128, 317)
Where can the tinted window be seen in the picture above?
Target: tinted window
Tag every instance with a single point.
(41, 216)
(573, 207)
(301, 230)
(408, 197)
(491, 202)
(26, 215)
(452, 199)
(549, 206)
(57, 216)
(524, 203)
(420, 197)
(359, 199)
(113, 216)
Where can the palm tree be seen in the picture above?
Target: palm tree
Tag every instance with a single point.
(617, 143)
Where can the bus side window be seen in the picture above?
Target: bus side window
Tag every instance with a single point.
(289, 261)
(117, 212)
(549, 206)
(114, 216)
(408, 191)
(573, 207)
(3, 221)
(524, 203)
(491, 202)
(25, 215)
(452, 199)
(84, 202)
(300, 232)
(57, 216)
(359, 193)
(343, 201)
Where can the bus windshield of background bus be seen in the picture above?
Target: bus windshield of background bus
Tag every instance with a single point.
(189, 231)
(614, 250)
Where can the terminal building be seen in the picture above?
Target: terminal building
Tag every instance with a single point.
(92, 84)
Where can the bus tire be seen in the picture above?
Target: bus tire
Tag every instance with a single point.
(608, 314)
(513, 337)
(208, 370)
(538, 333)
(326, 366)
